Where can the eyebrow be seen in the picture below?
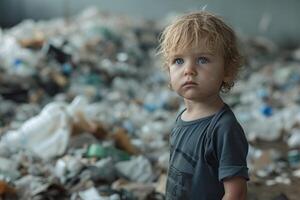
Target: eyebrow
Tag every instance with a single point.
(197, 53)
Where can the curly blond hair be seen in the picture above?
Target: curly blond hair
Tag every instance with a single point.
(189, 30)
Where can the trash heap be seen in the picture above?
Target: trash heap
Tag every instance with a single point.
(266, 102)
(86, 112)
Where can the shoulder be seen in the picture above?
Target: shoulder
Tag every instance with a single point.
(226, 119)
(227, 125)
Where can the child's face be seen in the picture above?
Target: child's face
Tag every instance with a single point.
(197, 74)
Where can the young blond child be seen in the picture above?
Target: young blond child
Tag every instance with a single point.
(208, 147)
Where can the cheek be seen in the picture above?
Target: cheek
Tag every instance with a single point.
(172, 74)
(215, 79)
(216, 73)
(174, 80)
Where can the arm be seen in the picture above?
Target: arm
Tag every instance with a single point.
(235, 189)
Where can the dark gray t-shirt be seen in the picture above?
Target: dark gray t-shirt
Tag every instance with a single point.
(203, 153)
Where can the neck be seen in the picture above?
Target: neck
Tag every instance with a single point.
(199, 109)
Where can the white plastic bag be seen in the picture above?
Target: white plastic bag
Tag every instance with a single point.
(46, 134)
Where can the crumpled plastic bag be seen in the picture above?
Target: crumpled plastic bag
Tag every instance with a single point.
(47, 134)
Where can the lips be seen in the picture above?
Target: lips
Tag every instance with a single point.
(189, 83)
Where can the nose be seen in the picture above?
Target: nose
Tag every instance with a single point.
(190, 69)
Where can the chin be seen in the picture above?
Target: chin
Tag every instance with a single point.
(197, 97)
(192, 98)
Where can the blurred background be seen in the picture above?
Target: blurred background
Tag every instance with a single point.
(85, 111)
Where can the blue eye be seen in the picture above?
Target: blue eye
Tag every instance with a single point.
(178, 61)
(202, 60)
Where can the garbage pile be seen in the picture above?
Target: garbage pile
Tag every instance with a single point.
(266, 102)
(85, 111)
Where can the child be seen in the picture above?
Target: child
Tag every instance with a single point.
(208, 148)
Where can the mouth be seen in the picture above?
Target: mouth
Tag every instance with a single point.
(189, 84)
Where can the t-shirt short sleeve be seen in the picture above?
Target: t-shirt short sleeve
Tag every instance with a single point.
(231, 149)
